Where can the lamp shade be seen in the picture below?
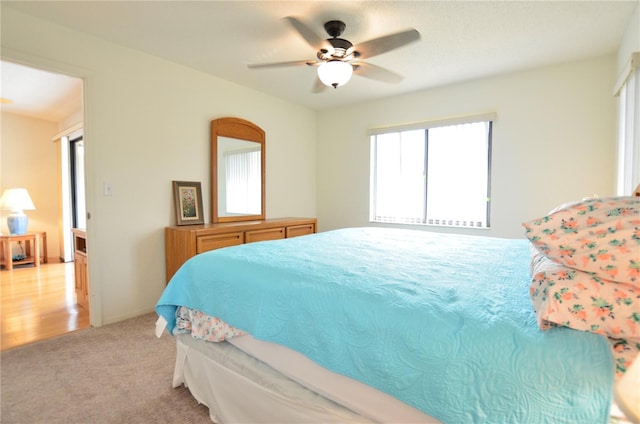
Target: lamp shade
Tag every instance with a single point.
(335, 73)
(16, 200)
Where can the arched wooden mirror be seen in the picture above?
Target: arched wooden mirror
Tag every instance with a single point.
(237, 170)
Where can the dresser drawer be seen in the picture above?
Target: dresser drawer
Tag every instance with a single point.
(183, 242)
(266, 234)
(216, 241)
(300, 230)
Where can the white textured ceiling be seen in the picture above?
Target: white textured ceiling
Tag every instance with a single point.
(460, 40)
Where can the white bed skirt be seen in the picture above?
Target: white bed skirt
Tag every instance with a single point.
(238, 388)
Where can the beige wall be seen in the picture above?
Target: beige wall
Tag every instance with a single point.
(146, 124)
(630, 41)
(29, 160)
(553, 141)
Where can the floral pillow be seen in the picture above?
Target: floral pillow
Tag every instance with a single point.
(563, 296)
(599, 235)
(583, 301)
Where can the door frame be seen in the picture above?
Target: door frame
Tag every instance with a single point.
(38, 62)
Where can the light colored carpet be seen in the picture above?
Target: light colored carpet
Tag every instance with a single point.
(118, 373)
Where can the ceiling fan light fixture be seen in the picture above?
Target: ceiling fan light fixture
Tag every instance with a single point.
(335, 73)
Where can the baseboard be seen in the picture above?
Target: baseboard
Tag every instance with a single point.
(113, 320)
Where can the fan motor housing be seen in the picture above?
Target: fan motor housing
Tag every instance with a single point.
(341, 48)
(335, 28)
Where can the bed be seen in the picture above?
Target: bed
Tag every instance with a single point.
(394, 325)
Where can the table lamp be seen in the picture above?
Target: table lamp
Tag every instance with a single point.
(16, 200)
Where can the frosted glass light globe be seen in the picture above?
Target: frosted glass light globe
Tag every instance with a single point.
(335, 73)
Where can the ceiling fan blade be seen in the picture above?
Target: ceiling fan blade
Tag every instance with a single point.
(386, 43)
(377, 73)
(310, 37)
(282, 64)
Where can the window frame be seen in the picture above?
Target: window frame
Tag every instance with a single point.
(627, 89)
(489, 118)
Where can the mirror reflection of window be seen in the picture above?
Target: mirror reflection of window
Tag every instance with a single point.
(237, 171)
(240, 177)
(243, 181)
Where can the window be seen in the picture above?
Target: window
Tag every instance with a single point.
(628, 92)
(434, 175)
(76, 165)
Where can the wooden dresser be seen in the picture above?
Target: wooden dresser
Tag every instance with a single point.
(183, 242)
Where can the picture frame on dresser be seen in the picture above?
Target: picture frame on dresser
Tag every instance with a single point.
(187, 196)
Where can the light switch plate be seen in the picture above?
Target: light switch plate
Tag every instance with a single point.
(107, 189)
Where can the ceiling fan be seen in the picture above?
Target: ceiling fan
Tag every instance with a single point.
(337, 58)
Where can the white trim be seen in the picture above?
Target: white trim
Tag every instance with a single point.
(68, 132)
(464, 119)
(632, 63)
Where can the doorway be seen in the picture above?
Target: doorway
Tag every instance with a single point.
(43, 148)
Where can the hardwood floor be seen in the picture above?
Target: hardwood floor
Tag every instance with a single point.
(39, 303)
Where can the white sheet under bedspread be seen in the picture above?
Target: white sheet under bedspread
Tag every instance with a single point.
(358, 397)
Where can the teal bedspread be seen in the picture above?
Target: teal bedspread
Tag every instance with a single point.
(441, 322)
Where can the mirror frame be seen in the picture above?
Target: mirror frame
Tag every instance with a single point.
(242, 130)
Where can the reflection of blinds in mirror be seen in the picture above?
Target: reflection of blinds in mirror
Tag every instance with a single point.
(243, 183)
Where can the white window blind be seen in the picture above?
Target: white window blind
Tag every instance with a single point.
(243, 179)
(398, 177)
(628, 92)
(432, 176)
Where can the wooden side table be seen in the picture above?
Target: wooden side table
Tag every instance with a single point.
(34, 243)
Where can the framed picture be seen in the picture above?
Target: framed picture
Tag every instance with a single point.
(187, 197)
